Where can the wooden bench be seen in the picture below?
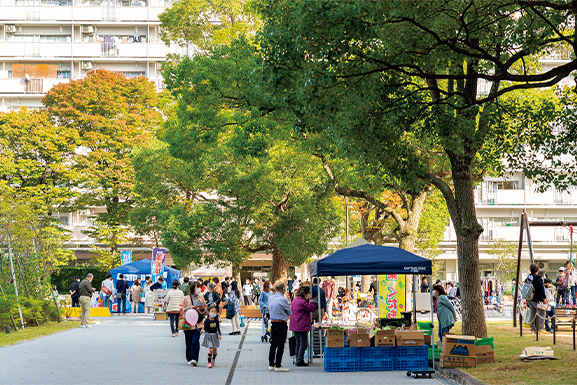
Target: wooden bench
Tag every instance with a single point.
(246, 311)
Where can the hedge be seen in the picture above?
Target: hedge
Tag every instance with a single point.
(33, 311)
(66, 275)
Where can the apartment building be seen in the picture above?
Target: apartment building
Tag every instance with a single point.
(45, 42)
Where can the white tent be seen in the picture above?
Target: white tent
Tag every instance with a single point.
(209, 271)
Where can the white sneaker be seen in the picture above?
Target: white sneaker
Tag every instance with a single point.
(87, 326)
(281, 369)
(83, 326)
(193, 363)
(271, 368)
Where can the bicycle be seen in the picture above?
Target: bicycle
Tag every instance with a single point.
(367, 313)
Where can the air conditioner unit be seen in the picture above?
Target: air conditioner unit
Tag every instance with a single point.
(86, 65)
(10, 28)
(543, 265)
(87, 29)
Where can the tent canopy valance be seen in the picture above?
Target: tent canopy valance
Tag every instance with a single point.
(364, 258)
(209, 271)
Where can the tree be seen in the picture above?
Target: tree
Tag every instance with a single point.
(504, 259)
(110, 115)
(419, 62)
(35, 157)
(247, 186)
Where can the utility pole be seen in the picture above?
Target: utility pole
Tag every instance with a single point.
(347, 222)
(14, 280)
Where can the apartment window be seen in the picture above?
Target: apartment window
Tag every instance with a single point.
(133, 74)
(63, 221)
(505, 185)
(66, 74)
(506, 222)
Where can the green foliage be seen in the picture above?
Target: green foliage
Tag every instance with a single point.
(65, 276)
(504, 259)
(34, 311)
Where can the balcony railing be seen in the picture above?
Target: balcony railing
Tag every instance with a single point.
(34, 86)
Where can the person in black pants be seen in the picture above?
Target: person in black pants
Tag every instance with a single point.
(279, 311)
(192, 341)
(75, 291)
(121, 288)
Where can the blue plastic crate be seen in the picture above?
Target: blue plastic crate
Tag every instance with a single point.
(379, 352)
(406, 363)
(342, 365)
(342, 353)
(370, 365)
(412, 352)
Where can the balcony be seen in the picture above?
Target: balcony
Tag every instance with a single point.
(524, 197)
(34, 86)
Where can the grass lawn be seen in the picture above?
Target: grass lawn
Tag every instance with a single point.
(508, 367)
(34, 332)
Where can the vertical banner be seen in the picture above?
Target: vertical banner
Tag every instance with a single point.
(126, 257)
(391, 296)
(157, 267)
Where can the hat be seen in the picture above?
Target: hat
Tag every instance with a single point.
(561, 269)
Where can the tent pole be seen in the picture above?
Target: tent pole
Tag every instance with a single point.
(432, 322)
(415, 299)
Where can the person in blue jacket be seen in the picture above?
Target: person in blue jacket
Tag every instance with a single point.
(121, 289)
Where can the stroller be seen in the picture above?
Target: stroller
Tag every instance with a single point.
(266, 320)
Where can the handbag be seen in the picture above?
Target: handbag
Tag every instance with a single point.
(105, 290)
(230, 311)
(118, 295)
(184, 325)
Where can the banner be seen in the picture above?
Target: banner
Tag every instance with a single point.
(391, 296)
(157, 265)
(126, 257)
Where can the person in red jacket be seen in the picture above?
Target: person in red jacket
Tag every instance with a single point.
(329, 287)
(300, 322)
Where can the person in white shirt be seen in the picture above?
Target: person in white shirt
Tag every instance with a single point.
(247, 292)
(109, 285)
(571, 282)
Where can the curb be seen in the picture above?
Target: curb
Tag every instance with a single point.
(457, 375)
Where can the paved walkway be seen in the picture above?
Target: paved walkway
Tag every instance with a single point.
(135, 349)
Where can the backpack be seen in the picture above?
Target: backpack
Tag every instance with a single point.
(528, 291)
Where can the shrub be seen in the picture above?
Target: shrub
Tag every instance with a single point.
(63, 278)
(33, 311)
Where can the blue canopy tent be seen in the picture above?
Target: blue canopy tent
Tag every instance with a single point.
(364, 258)
(141, 269)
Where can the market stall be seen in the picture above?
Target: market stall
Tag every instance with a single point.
(396, 349)
(141, 269)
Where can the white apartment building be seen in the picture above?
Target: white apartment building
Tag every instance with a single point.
(45, 42)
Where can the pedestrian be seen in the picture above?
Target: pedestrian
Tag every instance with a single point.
(331, 293)
(192, 337)
(445, 311)
(185, 287)
(247, 291)
(315, 294)
(301, 308)
(374, 289)
(571, 274)
(562, 288)
(212, 334)
(148, 296)
(107, 290)
(536, 313)
(289, 285)
(218, 287)
(158, 284)
(255, 290)
(424, 285)
(85, 291)
(201, 285)
(263, 304)
(549, 294)
(211, 297)
(172, 301)
(135, 296)
(74, 293)
(121, 289)
(233, 308)
(225, 287)
(279, 311)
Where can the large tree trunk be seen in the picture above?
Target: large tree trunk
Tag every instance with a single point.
(279, 266)
(468, 231)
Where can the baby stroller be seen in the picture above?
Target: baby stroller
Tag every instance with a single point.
(265, 321)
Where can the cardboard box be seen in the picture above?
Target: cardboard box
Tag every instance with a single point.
(335, 342)
(410, 338)
(428, 340)
(457, 345)
(448, 361)
(383, 338)
(160, 316)
(484, 354)
(359, 340)
(334, 333)
(356, 331)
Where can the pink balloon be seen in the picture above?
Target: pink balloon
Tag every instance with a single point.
(191, 316)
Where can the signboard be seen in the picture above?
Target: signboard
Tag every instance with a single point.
(391, 296)
(126, 257)
(157, 265)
